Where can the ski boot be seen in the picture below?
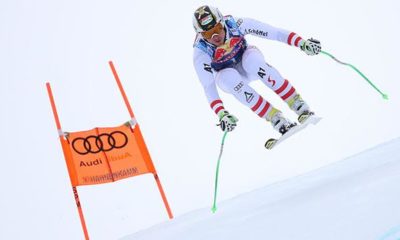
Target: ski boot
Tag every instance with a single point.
(281, 124)
(298, 105)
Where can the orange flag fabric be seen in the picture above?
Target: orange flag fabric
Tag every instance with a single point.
(103, 155)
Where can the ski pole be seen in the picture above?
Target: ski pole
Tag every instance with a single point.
(214, 208)
(385, 96)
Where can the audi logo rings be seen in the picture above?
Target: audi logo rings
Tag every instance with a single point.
(103, 142)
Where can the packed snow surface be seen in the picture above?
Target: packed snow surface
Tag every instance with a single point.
(356, 198)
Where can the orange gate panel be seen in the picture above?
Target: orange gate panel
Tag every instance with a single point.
(103, 155)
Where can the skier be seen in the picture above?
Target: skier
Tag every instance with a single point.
(223, 57)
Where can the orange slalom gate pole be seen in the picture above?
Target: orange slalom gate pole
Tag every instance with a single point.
(121, 89)
(60, 133)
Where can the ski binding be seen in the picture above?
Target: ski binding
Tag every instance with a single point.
(273, 142)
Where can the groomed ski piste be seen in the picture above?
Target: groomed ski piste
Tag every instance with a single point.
(353, 199)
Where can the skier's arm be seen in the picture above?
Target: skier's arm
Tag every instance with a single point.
(264, 30)
(202, 63)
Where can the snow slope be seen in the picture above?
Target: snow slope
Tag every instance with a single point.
(356, 198)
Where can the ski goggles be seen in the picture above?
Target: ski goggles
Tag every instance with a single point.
(217, 29)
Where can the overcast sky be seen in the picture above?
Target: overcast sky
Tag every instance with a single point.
(69, 43)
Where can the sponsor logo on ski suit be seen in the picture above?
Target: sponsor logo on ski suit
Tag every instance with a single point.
(230, 53)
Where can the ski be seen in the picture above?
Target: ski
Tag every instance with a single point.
(273, 142)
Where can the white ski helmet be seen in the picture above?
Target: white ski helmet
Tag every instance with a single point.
(205, 18)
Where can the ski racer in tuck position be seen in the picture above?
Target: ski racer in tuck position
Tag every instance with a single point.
(223, 57)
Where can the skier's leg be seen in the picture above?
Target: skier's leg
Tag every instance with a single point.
(255, 66)
(230, 81)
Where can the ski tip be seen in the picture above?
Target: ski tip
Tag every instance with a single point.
(270, 143)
